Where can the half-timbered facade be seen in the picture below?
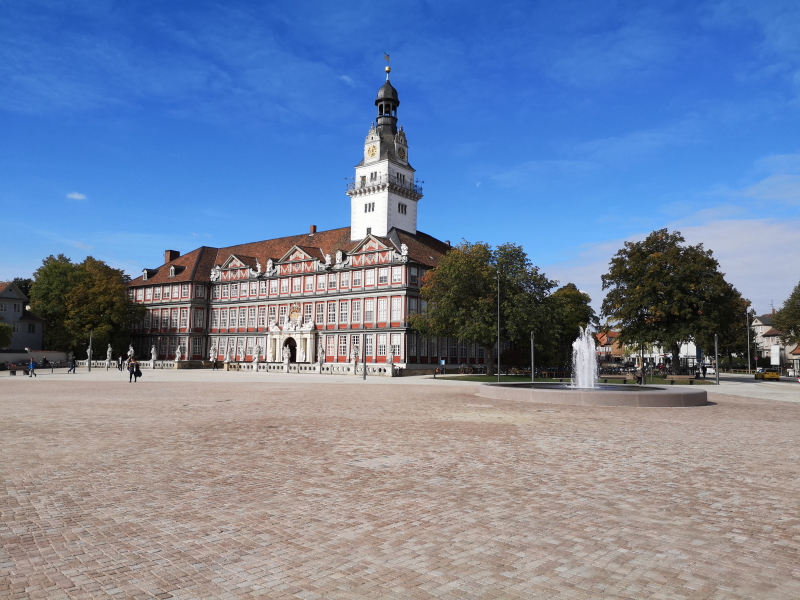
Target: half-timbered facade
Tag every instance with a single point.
(341, 295)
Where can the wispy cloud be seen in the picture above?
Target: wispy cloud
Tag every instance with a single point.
(76, 196)
(348, 80)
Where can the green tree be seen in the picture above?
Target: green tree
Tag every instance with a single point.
(6, 331)
(461, 296)
(662, 291)
(732, 329)
(787, 319)
(51, 284)
(572, 310)
(24, 285)
(77, 299)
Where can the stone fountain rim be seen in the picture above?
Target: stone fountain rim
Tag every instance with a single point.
(605, 395)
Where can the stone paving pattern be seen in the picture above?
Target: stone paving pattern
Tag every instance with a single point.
(279, 490)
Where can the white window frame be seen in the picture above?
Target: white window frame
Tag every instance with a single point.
(397, 308)
(332, 313)
(357, 276)
(381, 344)
(369, 310)
(344, 311)
(356, 312)
(383, 275)
(383, 307)
(262, 316)
(369, 278)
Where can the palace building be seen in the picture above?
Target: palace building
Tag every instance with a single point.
(336, 296)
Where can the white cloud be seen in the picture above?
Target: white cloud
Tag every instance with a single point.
(348, 80)
(76, 196)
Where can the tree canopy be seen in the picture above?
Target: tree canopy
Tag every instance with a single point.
(6, 331)
(787, 319)
(461, 296)
(76, 298)
(663, 291)
(572, 310)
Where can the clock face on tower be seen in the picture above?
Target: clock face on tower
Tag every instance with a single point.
(401, 152)
(372, 151)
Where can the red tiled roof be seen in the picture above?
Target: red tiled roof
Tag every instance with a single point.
(772, 332)
(796, 351)
(422, 248)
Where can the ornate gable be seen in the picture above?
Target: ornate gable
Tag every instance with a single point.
(370, 244)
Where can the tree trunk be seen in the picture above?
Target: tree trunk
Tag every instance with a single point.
(675, 348)
(488, 359)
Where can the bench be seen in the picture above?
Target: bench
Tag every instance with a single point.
(622, 378)
(13, 370)
(673, 378)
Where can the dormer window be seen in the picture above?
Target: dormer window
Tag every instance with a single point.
(144, 274)
(172, 271)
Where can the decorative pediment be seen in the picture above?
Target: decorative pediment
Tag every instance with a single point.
(239, 262)
(296, 253)
(370, 244)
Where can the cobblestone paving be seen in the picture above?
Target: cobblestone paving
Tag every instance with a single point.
(181, 490)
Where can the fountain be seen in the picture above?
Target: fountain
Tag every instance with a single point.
(584, 360)
(584, 389)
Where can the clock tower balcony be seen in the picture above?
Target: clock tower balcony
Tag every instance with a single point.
(412, 191)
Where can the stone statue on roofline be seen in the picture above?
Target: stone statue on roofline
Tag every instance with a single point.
(339, 257)
(216, 273)
(270, 266)
(327, 260)
(403, 250)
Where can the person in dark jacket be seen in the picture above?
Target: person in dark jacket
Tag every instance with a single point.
(133, 370)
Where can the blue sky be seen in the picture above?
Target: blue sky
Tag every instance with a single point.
(569, 127)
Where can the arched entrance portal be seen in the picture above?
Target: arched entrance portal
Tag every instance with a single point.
(292, 346)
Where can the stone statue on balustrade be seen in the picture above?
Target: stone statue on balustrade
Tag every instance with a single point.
(153, 356)
(179, 353)
(212, 352)
(130, 352)
(320, 354)
(256, 356)
(287, 355)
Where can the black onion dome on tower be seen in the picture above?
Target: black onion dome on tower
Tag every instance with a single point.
(387, 103)
(387, 92)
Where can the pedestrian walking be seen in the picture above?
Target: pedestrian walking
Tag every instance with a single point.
(119, 362)
(72, 364)
(705, 369)
(133, 370)
(215, 366)
(32, 368)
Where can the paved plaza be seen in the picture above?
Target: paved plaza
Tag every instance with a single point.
(233, 485)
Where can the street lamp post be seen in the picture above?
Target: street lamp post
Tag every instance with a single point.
(91, 334)
(716, 357)
(747, 320)
(498, 323)
(533, 364)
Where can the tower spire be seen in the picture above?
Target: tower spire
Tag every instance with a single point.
(388, 68)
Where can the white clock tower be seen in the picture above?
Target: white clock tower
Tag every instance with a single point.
(384, 193)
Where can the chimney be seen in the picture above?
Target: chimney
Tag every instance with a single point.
(313, 230)
(170, 255)
(447, 242)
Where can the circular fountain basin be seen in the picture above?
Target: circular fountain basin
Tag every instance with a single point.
(603, 395)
